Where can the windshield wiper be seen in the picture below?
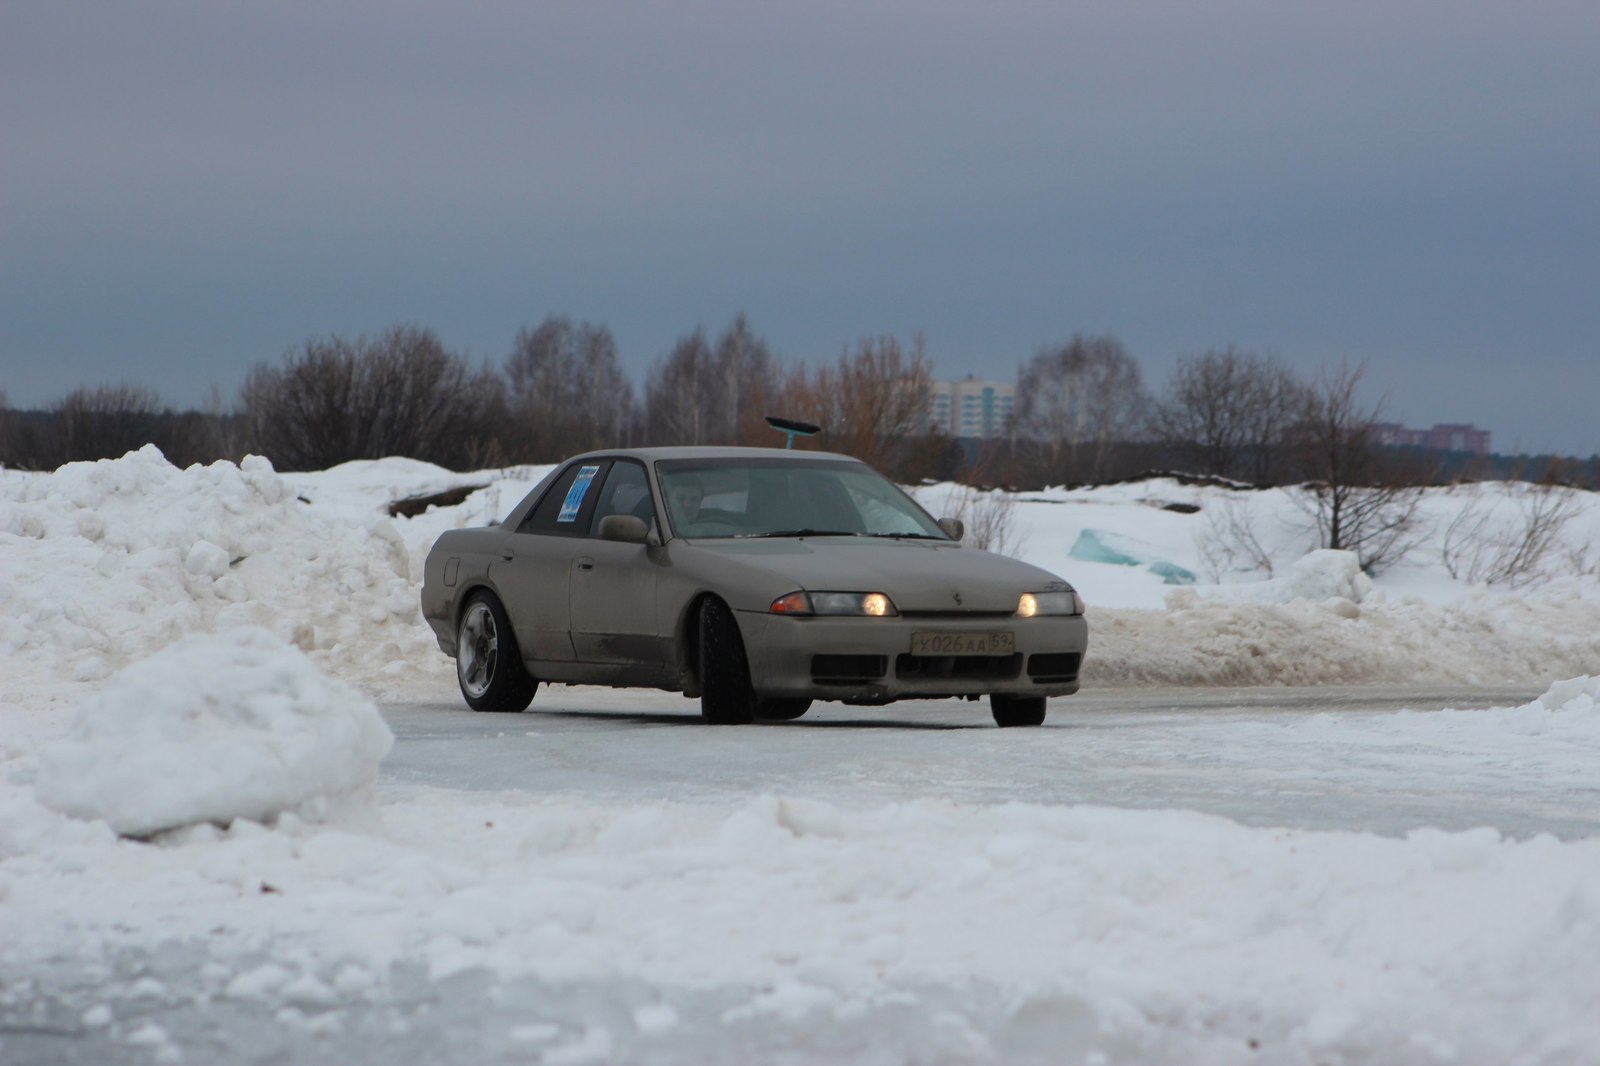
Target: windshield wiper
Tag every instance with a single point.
(904, 536)
(805, 533)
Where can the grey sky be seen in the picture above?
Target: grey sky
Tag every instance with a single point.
(187, 189)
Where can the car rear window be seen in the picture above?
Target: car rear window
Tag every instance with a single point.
(567, 507)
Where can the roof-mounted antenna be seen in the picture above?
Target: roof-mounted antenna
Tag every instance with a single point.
(792, 429)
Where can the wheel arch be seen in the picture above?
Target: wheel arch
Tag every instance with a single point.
(686, 633)
(463, 597)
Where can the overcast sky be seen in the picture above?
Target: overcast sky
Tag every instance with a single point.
(190, 188)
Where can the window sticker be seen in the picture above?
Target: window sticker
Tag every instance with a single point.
(575, 495)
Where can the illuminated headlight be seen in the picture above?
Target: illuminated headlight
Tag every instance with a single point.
(872, 604)
(1033, 604)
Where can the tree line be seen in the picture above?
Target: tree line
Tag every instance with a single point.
(1083, 412)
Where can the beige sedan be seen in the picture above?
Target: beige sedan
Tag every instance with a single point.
(757, 579)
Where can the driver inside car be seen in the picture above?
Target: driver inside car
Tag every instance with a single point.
(687, 492)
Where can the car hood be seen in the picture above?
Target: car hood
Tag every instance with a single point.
(918, 575)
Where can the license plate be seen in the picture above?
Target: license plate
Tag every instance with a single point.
(963, 643)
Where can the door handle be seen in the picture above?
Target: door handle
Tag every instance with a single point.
(585, 563)
(507, 554)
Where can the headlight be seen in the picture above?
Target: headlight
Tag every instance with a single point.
(871, 604)
(1033, 604)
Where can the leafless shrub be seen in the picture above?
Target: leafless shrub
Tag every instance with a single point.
(1230, 543)
(1354, 501)
(989, 517)
(400, 393)
(1482, 546)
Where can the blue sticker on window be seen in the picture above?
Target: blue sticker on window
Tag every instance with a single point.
(574, 500)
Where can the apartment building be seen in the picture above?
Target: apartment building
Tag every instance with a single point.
(979, 410)
(1444, 437)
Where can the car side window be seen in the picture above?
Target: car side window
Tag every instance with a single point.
(567, 507)
(626, 491)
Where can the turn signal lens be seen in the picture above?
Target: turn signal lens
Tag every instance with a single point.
(794, 603)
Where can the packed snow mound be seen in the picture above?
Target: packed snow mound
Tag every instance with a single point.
(114, 560)
(1578, 695)
(1485, 638)
(215, 727)
(1324, 574)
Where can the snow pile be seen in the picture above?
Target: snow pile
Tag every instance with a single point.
(213, 728)
(1486, 638)
(1316, 577)
(108, 562)
(1575, 696)
(113, 560)
(912, 931)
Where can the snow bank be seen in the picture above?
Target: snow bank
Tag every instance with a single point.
(1316, 577)
(108, 562)
(1485, 638)
(104, 563)
(213, 728)
(918, 931)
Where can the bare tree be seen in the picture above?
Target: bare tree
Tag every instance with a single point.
(567, 392)
(1228, 410)
(1355, 498)
(745, 378)
(400, 393)
(99, 423)
(713, 393)
(1077, 400)
(677, 410)
(871, 403)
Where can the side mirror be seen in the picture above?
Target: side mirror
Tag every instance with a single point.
(627, 528)
(954, 527)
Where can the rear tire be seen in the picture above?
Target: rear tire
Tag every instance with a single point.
(726, 697)
(782, 708)
(1010, 711)
(488, 663)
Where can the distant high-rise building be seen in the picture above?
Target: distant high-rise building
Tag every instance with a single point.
(1445, 437)
(971, 408)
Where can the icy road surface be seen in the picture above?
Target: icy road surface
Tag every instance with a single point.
(1315, 758)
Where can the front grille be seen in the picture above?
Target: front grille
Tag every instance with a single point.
(847, 669)
(990, 667)
(957, 616)
(1055, 666)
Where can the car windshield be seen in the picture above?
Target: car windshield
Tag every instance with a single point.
(740, 497)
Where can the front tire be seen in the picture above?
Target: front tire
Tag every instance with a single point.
(1010, 711)
(488, 664)
(726, 697)
(782, 708)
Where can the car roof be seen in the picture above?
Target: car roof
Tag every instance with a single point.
(711, 452)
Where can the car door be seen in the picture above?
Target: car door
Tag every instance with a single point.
(534, 570)
(613, 589)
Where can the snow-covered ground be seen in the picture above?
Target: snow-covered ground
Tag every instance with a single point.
(196, 660)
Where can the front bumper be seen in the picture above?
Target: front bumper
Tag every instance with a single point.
(869, 660)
